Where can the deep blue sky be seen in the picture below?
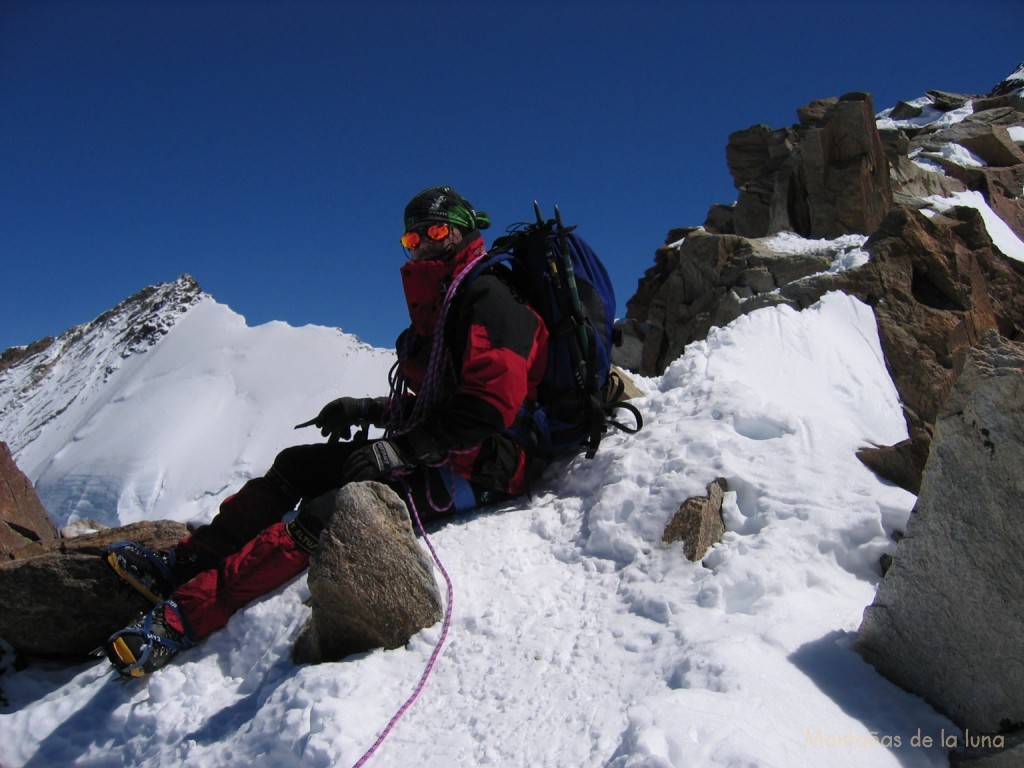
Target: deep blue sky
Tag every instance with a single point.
(268, 148)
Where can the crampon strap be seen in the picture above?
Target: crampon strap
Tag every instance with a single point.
(151, 639)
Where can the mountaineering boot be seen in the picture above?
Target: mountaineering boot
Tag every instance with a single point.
(152, 574)
(149, 642)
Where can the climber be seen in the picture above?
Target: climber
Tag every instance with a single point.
(467, 364)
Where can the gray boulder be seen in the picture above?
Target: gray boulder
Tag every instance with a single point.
(946, 622)
(372, 586)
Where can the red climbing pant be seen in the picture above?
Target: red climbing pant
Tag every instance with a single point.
(260, 566)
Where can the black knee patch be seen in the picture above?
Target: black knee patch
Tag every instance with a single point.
(306, 539)
(313, 516)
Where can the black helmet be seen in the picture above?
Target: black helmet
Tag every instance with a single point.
(445, 205)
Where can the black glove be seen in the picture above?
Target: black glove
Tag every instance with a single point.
(337, 418)
(375, 461)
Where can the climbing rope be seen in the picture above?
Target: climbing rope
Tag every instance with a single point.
(437, 648)
(430, 391)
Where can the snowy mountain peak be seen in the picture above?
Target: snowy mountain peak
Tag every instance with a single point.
(164, 302)
(149, 314)
(118, 420)
(1011, 84)
(40, 381)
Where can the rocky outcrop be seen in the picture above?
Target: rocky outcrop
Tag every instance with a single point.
(824, 177)
(371, 584)
(936, 285)
(946, 621)
(700, 282)
(61, 599)
(23, 519)
(698, 522)
(984, 133)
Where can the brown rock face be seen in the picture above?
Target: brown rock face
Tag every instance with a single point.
(826, 177)
(23, 519)
(995, 147)
(64, 600)
(1001, 188)
(936, 286)
(840, 179)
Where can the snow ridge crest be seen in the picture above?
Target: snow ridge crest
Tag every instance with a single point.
(38, 382)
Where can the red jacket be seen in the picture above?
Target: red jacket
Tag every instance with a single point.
(497, 347)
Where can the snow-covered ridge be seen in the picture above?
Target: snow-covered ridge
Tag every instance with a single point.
(159, 405)
(578, 637)
(930, 116)
(1012, 84)
(41, 381)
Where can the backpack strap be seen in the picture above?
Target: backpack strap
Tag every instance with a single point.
(613, 402)
(492, 258)
(638, 419)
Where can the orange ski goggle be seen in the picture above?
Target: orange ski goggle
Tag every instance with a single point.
(414, 237)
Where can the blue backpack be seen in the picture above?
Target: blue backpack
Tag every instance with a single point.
(561, 277)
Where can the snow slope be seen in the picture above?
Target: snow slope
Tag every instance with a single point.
(578, 637)
(164, 431)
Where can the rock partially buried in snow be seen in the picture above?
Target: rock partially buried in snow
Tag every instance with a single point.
(698, 523)
(902, 463)
(372, 586)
